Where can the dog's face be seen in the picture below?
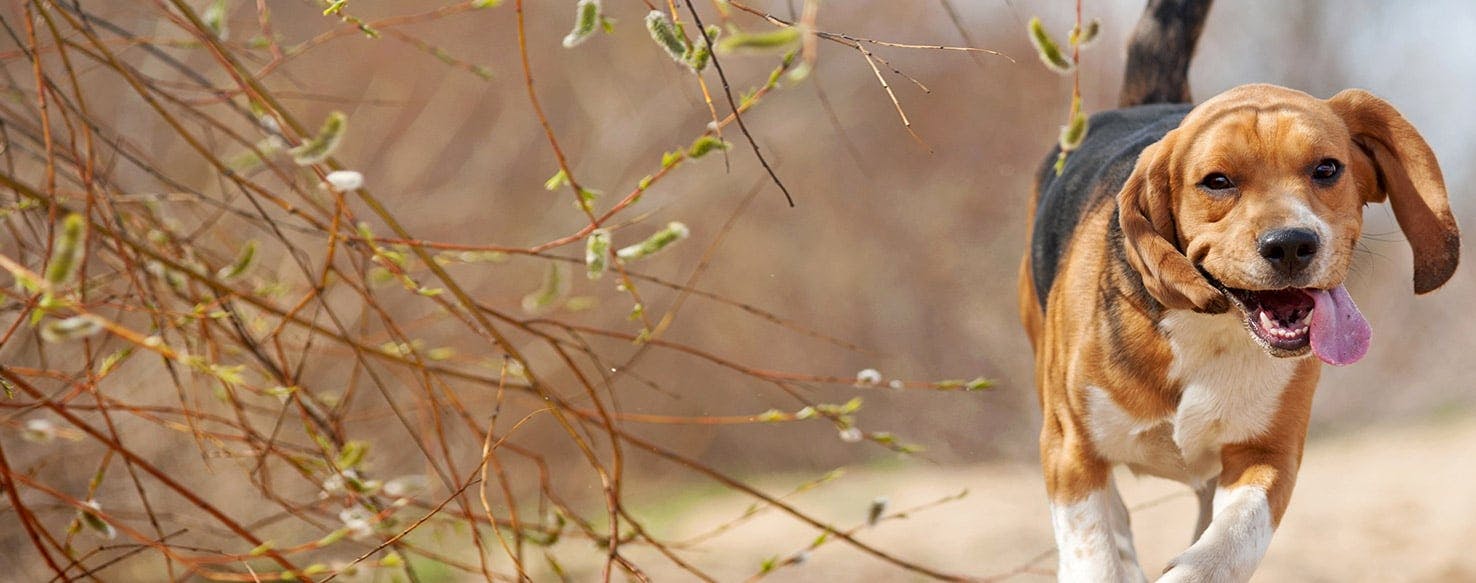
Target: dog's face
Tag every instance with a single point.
(1255, 202)
(1265, 197)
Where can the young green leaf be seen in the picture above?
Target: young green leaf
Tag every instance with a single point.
(557, 181)
(704, 145)
(214, 17)
(776, 40)
(555, 285)
(700, 53)
(240, 265)
(1081, 38)
(351, 455)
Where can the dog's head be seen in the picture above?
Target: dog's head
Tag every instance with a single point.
(1255, 203)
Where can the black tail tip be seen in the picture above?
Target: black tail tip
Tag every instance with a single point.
(1159, 53)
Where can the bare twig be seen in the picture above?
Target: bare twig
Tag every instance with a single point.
(728, 92)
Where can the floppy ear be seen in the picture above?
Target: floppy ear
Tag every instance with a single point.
(1409, 175)
(1145, 211)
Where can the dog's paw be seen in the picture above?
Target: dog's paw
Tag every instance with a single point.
(1192, 567)
(1177, 572)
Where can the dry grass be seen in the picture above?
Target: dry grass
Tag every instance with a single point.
(416, 377)
(230, 421)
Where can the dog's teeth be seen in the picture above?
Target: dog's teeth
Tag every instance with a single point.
(1266, 322)
(1307, 319)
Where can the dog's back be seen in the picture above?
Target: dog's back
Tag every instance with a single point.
(1092, 176)
(1156, 78)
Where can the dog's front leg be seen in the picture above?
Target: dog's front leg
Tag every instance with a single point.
(1252, 495)
(1093, 539)
(1255, 486)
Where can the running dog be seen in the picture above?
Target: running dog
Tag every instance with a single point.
(1184, 284)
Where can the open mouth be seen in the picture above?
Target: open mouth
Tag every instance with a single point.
(1290, 322)
(1280, 320)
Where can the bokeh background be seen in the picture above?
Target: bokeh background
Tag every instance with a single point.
(906, 251)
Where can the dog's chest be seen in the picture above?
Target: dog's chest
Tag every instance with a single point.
(1231, 389)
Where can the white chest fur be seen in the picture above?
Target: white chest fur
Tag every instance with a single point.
(1231, 390)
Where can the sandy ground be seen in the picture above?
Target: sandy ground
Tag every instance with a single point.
(1376, 504)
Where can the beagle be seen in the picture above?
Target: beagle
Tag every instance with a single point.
(1183, 286)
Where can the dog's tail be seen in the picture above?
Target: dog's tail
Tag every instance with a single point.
(1159, 53)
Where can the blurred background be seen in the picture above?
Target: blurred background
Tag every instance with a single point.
(905, 249)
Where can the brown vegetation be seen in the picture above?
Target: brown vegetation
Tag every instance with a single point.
(256, 367)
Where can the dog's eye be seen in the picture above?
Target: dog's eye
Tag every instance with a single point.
(1217, 181)
(1327, 170)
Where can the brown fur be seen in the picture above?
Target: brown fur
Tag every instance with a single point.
(1098, 327)
(1410, 177)
(1271, 460)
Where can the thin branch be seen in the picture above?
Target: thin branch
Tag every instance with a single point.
(728, 92)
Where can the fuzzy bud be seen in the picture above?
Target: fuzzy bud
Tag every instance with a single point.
(345, 180)
(1081, 38)
(699, 55)
(555, 285)
(876, 510)
(665, 34)
(597, 253)
(673, 232)
(322, 145)
(95, 522)
(586, 20)
(73, 328)
(240, 265)
(67, 251)
(780, 39)
(1073, 133)
(39, 431)
(704, 145)
(1046, 47)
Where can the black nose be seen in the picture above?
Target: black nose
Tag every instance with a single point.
(1289, 250)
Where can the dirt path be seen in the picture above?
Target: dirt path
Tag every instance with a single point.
(1380, 504)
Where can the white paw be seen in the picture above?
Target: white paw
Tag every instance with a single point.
(1230, 548)
(1189, 568)
(1188, 573)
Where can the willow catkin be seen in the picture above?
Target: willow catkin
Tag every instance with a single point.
(324, 143)
(1046, 47)
(586, 20)
(665, 34)
(659, 240)
(66, 255)
(597, 253)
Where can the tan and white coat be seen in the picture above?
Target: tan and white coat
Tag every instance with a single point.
(1141, 357)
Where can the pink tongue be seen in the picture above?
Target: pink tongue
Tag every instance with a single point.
(1339, 332)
